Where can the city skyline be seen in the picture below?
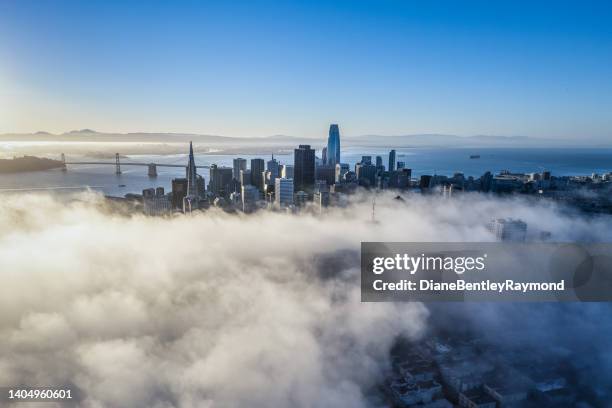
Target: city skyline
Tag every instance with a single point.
(259, 69)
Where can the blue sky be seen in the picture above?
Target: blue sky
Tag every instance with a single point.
(257, 68)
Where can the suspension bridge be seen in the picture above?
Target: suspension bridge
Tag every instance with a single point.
(152, 167)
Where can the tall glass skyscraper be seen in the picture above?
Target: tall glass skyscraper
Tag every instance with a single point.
(333, 145)
(392, 160)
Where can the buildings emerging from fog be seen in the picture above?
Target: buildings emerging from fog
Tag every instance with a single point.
(322, 182)
(155, 202)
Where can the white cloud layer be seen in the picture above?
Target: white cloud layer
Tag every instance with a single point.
(216, 310)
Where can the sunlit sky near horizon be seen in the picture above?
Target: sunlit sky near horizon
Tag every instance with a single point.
(259, 68)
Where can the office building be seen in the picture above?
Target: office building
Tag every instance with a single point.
(257, 169)
(341, 170)
(287, 171)
(220, 183)
(333, 145)
(304, 168)
(366, 174)
(400, 178)
(283, 192)
(392, 160)
(239, 165)
(300, 198)
(245, 177)
(380, 168)
(326, 172)
(366, 160)
(250, 196)
(273, 167)
(155, 202)
(322, 200)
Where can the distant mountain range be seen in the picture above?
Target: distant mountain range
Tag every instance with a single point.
(418, 140)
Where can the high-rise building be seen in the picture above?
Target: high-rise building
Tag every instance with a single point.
(239, 164)
(220, 180)
(324, 155)
(179, 191)
(245, 177)
(304, 168)
(155, 202)
(191, 200)
(322, 200)
(366, 160)
(400, 165)
(326, 172)
(301, 198)
(392, 160)
(273, 167)
(425, 182)
(366, 174)
(287, 171)
(380, 167)
(283, 192)
(192, 174)
(341, 170)
(333, 145)
(400, 178)
(257, 169)
(250, 195)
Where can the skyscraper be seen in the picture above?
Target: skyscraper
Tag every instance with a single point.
(257, 168)
(191, 200)
(220, 180)
(333, 145)
(304, 168)
(283, 192)
(192, 175)
(239, 164)
(392, 160)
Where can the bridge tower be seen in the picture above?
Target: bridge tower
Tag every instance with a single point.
(64, 162)
(117, 164)
(152, 170)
